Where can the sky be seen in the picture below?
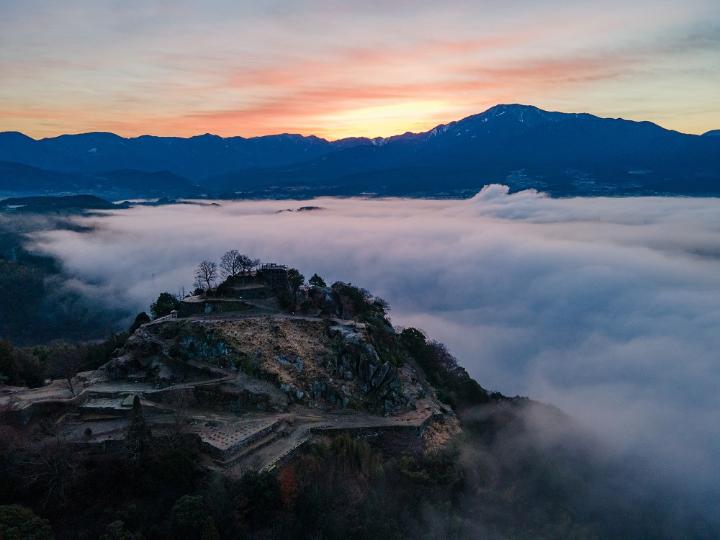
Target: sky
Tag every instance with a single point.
(608, 308)
(337, 69)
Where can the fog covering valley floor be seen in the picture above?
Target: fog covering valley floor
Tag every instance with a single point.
(606, 308)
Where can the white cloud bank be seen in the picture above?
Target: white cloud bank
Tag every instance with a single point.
(608, 308)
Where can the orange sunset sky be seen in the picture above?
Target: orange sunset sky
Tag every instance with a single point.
(338, 69)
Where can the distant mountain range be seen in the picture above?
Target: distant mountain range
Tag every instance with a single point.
(519, 145)
(68, 203)
(25, 179)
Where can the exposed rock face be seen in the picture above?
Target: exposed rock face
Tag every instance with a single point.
(358, 360)
(314, 362)
(250, 391)
(162, 355)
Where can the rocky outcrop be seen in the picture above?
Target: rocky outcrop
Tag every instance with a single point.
(248, 391)
(165, 354)
(358, 360)
(319, 363)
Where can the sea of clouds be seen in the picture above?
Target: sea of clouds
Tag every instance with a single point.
(608, 308)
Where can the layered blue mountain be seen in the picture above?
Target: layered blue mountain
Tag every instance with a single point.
(17, 178)
(564, 154)
(194, 157)
(519, 145)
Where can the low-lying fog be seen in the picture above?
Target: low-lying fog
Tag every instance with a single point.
(607, 308)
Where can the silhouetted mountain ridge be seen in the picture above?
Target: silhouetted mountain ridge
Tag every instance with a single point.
(523, 146)
(193, 157)
(519, 145)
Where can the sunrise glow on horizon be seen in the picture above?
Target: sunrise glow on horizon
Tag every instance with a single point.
(337, 70)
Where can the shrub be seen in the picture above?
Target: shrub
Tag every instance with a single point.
(260, 496)
(355, 302)
(317, 281)
(453, 384)
(164, 304)
(19, 367)
(20, 523)
(117, 531)
(7, 363)
(140, 319)
(190, 519)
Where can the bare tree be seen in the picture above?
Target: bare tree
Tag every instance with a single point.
(67, 362)
(206, 274)
(234, 263)
(231, 263)
(52, 468)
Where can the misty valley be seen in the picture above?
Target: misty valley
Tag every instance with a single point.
(359, 270)
(505, 366)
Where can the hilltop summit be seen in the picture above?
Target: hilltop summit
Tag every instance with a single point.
(273, 408)
(258, 367)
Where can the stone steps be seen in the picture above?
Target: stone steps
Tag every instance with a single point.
(229, 441)
(248, 451)
(286, 451)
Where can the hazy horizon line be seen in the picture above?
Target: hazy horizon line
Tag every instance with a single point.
(331, 140)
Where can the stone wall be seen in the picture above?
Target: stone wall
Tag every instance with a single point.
(211, 305)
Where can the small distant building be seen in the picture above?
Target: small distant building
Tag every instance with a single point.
(275, 275)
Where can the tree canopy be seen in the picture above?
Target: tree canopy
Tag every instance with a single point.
(164, 304)
(20, 523)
